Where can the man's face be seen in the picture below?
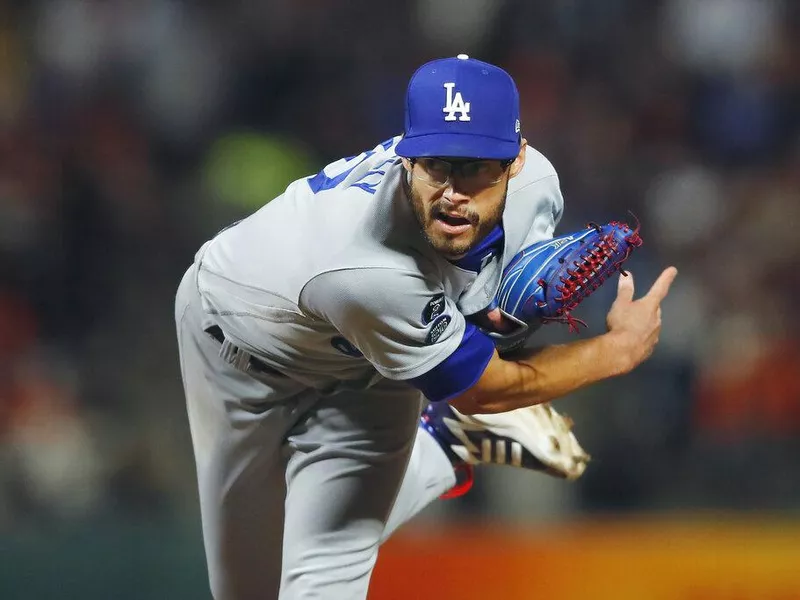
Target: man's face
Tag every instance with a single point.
(458, 203)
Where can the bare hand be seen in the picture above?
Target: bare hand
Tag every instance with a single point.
(494, 320)
(636, 324)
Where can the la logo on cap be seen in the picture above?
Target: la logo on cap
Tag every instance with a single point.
(455, 104)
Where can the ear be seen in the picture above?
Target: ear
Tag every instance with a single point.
(519, 162)
(407, 164)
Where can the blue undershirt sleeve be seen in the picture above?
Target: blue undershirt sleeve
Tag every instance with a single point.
(459, 371)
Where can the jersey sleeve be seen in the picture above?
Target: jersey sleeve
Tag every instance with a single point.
(403, 324)
(459, 371)
(534, 204)
(545, 195)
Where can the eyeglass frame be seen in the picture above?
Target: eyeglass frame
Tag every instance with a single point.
(455, 166)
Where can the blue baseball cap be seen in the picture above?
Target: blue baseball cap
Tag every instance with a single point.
(461, 107)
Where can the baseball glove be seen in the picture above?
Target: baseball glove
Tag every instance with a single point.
(546, 281)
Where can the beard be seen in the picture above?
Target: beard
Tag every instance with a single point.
(453, 247)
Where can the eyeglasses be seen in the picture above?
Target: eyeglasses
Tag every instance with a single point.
(474, 174)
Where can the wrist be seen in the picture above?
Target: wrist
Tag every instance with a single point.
(618, 350)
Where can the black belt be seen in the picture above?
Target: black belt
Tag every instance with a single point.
(215, 332)
(239, 358)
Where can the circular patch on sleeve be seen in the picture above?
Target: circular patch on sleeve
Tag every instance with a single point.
(433, 309)
(437, 329)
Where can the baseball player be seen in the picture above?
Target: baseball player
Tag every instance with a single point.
(311, 331)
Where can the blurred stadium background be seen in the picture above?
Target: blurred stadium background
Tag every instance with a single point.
(131, 131)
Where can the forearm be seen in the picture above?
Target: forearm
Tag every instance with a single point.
(550, 373)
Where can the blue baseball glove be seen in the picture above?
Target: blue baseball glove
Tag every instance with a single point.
(547, 280)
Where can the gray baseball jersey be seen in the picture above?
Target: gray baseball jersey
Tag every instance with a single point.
(334, 286)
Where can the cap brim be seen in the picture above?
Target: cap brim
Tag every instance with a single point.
(457, 145)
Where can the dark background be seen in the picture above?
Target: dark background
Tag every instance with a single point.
(130, 132)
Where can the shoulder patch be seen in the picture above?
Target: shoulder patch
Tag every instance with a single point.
(437, 329)
(433, 309)
(345, 347)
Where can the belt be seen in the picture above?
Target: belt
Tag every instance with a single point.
(239, 358)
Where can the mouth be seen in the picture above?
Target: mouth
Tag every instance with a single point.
(451, 223)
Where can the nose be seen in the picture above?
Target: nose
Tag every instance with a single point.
(454, 194)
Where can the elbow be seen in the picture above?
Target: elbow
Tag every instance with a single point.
(470, 405)
(467, 404)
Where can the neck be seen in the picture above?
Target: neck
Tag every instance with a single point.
(478, 256)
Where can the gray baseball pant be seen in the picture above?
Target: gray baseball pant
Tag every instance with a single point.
(296, 496)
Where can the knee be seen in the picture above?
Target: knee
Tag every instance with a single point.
(337, 567)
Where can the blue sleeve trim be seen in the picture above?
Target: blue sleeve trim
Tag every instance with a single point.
(459, 371)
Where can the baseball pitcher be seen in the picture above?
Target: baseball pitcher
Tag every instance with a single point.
(341, 347)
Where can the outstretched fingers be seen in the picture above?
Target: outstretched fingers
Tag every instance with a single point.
(661, 286)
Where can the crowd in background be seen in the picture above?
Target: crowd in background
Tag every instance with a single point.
(131, 131)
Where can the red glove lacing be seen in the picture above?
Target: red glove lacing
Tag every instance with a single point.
(590, 271)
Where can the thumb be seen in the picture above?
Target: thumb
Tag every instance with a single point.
(625, 287)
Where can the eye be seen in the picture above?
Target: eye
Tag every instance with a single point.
(435, 166)
(477, 169)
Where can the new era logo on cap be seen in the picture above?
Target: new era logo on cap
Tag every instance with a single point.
(461, 107)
